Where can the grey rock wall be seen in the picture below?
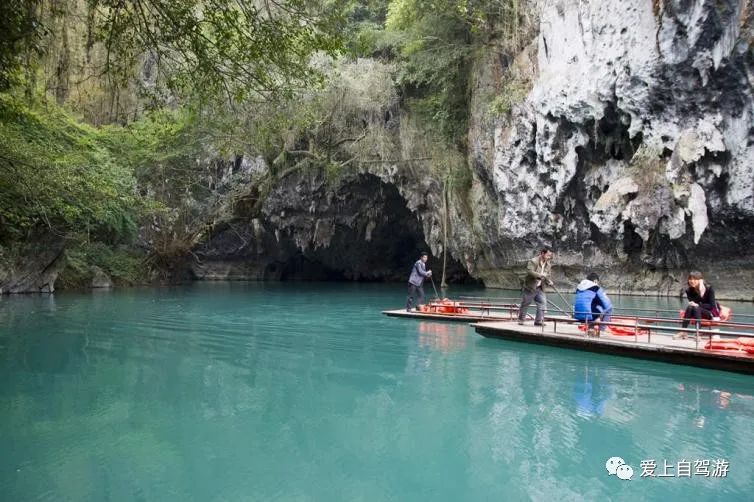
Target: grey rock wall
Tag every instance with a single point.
(633, 152)
(34, 270)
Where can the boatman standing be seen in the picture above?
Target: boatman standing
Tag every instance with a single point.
(537, 276)
(416, 280)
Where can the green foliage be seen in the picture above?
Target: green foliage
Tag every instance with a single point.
(123, 265)
(161, 150)
(435, 50)
(365, 34)
(239, 75)
(20, 36)
(437, 41)
(447, 163)
(485, 19)
(240, 50)
(513, 91)
(56, 174)
(339, 125)
(220, 47)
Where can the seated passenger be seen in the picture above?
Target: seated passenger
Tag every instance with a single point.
(702, 303)
(591, 304)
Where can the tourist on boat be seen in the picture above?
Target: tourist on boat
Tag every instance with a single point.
(415, 282)
(537, 277)
(592, 304)
(702, 303)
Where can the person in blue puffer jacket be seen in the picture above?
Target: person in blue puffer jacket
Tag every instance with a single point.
(591, 303)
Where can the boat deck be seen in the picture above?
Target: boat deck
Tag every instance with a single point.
(653, 345)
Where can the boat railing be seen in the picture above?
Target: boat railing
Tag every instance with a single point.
(646, 325)
(486, 307)
(656, 310)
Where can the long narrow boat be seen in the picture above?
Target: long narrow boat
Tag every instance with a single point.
(654, 343)
(459, 311)
(468, 316)
(726, 345)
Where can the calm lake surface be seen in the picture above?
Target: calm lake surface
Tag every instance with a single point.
(295, 391)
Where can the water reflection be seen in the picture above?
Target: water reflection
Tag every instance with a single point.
(710, 402)
(592, 393)
(277, 393)
(445, 337)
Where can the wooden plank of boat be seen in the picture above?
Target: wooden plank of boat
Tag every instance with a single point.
(668, 350)
(471, 316)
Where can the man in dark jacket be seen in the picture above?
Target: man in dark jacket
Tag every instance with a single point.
(537, 276)
(592, 303)
(415, 282)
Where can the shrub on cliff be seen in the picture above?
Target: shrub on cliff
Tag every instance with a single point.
(57, 177)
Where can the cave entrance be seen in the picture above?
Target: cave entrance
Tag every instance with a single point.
(375, 238)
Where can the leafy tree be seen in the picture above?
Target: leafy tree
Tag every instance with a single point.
(56, 175)
(20, 36)
(437, 41)
(242, 49)
(435, 49)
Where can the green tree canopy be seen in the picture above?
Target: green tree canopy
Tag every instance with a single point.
(238, 48)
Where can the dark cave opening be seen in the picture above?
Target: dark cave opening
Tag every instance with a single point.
(375, 238)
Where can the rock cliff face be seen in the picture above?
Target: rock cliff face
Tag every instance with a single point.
(361, 227)
(633, 151)
(629, 148)
(632, 155)
(34, 269)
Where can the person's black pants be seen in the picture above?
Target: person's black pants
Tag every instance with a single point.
(697, 313)
(414, 292)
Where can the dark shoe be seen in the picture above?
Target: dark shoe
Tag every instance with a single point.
(540, 324)
(520, 322)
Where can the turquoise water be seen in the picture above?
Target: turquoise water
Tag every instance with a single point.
(237, 391)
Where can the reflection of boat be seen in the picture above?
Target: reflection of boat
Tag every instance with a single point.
(707, 398)
(592, 394)
(443, 337)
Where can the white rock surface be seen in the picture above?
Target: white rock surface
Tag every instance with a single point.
(614, 74)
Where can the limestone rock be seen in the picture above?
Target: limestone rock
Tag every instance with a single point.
(631, 153)
(35, 269)
(664, 80)
(100, 279)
